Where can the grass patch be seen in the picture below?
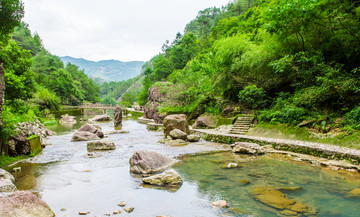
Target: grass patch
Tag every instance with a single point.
(284, 131)
(50, 122)
(7, 160)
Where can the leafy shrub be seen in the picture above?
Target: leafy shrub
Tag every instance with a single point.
(352, 118)
(252, 97)
(283, 112)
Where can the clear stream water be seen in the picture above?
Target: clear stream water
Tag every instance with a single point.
(71, 181)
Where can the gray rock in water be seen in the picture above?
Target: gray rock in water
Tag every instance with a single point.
(145, 162)
(101, 145)
(247, 148)
(178, 134)
(67, 118)
(84, 136)
(92, 128)
(117, 116)
(193, 138)
(169, 177)
(7, 182)
(101, 118)
(24, 203)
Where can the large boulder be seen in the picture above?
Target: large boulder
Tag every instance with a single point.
(205, 122)
(84, 136)
(151, 108)
(247, 148)
(172, 122)
(6, 182)
(104, 117)
(169, 177)
(101, 145)
(178, 134)
(19, 145)
(118, 116)
(24, 203)
(146, 162)
(67, 118)
(92, 128)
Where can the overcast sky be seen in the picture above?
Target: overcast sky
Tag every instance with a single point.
(123, 30)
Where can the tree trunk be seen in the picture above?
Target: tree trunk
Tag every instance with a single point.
(2, 91)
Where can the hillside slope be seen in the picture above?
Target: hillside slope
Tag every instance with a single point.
(107, 70)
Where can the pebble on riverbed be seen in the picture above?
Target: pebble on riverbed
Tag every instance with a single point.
(117, 212)
(83, 213)
(129, 209)
(122, 204)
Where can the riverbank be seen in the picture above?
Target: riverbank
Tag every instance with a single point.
(311, 148)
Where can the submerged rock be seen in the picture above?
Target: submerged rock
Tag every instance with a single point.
(296, 188)
(104, 117)
(355, 192)
(278, 200)
(169, 177)
(144, 162)
(101, 145)
(232, 165)
(247, 148)
(178, 134)
(116, 132)
(6, 182)
(220, 203)
(24, 203)
(84, 136)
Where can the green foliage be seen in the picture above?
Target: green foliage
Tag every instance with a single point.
(283, 112)
(10, 15)
(46, 99)
(6, 160)
(252, 96)
(352, 118)
(19, 79)
(108, 100)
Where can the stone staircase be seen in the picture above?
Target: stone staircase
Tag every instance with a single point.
(242, 124)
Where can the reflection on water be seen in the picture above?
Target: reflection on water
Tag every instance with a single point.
(66, 177)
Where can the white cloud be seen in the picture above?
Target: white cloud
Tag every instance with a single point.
(110, 29)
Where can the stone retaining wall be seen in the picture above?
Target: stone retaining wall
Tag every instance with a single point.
(315, 149)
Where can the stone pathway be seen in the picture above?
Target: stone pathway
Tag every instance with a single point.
(318, 149)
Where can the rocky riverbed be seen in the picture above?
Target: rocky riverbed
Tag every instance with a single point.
(72, 179)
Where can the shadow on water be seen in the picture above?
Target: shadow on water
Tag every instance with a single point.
(68, 179)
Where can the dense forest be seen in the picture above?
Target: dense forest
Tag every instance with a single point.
(288, 60)
(291, 61)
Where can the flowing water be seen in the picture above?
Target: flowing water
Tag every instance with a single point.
(71, 181)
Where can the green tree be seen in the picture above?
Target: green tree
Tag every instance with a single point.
(19, 79)
(11, 13)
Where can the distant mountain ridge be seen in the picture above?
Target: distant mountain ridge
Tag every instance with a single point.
(107, 70)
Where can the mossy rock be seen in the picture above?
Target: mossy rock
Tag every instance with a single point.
(35, 144)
